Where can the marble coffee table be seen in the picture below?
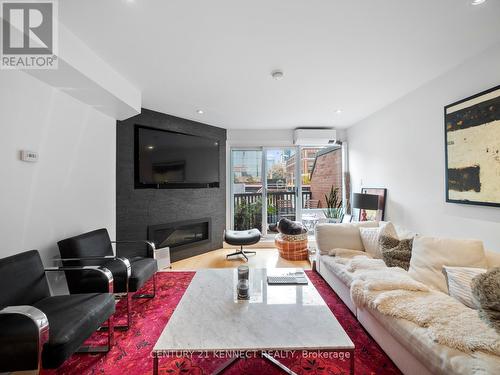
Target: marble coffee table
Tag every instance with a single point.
(277, 318)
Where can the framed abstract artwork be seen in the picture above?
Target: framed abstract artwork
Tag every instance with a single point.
(472, 142)
(378, 215)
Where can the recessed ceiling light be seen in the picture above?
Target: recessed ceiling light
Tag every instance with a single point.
(277, 75)
(338, 111)
(200, 111)
(477, 2)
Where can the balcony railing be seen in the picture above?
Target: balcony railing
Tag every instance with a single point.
(248, 208)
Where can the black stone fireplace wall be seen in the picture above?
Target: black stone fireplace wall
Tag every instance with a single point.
(136, 209)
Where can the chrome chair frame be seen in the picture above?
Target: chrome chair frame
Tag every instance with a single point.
(40, 320)
(152, 249)
(118, 296)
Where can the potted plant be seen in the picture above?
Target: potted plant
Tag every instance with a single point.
(334, 209)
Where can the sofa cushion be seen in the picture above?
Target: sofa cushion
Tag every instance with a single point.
(493, 258)
(23, 279)
(142, 270)
(370, 237)
(72, 319)
(345, 235)
(338, 268)
(430, 254)
(95, 243)
(346, 253)
(458, 280)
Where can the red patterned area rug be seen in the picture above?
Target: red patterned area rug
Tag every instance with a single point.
(132, 351)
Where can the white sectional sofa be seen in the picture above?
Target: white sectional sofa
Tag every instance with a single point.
(406, 343)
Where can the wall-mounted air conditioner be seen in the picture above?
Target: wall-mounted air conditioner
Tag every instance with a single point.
(314, 137)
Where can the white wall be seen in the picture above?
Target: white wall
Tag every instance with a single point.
(265, 138)
(72, 188)
(401, 148)
(259, 138)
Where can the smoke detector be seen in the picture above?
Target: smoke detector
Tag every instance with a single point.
(277, 75)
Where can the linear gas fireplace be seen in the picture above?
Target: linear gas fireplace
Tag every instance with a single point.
(181, 234)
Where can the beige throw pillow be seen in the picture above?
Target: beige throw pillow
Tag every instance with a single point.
(459, 281)
(430, 254)
(370, 238)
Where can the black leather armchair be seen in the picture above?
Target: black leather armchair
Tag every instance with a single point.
(39, 330)
(95, 248)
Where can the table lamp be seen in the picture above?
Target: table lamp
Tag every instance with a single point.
(365, 202)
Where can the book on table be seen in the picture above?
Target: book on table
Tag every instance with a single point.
(284, 277)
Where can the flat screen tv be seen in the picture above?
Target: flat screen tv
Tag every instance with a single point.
(170, 160)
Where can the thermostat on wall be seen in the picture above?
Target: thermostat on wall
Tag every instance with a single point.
(30, 156)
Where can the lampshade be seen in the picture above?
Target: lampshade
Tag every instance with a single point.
(365, 201)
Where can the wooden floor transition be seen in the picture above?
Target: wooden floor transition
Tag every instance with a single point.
(265, 258)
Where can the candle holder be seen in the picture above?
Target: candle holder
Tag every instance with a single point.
(243, 285)
(243, 289)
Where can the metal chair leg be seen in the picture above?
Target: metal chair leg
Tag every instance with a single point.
(121, 327)
(147, 295)
(124, 327)
(101, 348)
(111, 334)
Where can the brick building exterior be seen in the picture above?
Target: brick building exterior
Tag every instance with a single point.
(326, 172)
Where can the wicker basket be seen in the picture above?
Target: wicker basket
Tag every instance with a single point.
(293, 237)
(296, 249)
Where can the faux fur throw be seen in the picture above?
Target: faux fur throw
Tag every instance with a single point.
(395, 253)
(486, 295)
(448, 322)
(339, 269)
(364, 263)
(347, 253)
(386, 279)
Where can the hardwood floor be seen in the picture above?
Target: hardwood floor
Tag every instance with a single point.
(265, 258)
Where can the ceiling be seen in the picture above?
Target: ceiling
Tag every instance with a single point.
(217, 56)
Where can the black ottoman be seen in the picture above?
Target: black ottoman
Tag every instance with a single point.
(242, 238)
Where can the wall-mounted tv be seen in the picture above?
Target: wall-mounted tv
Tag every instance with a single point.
(171, 160)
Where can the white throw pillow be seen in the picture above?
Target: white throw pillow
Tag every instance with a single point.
(370, 236)
(459, 281)
(430, 254)
(345, 236)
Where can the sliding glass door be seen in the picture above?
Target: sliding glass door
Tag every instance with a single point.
(263, 187)
(271, 183)
(281, 184)
(246, 188)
